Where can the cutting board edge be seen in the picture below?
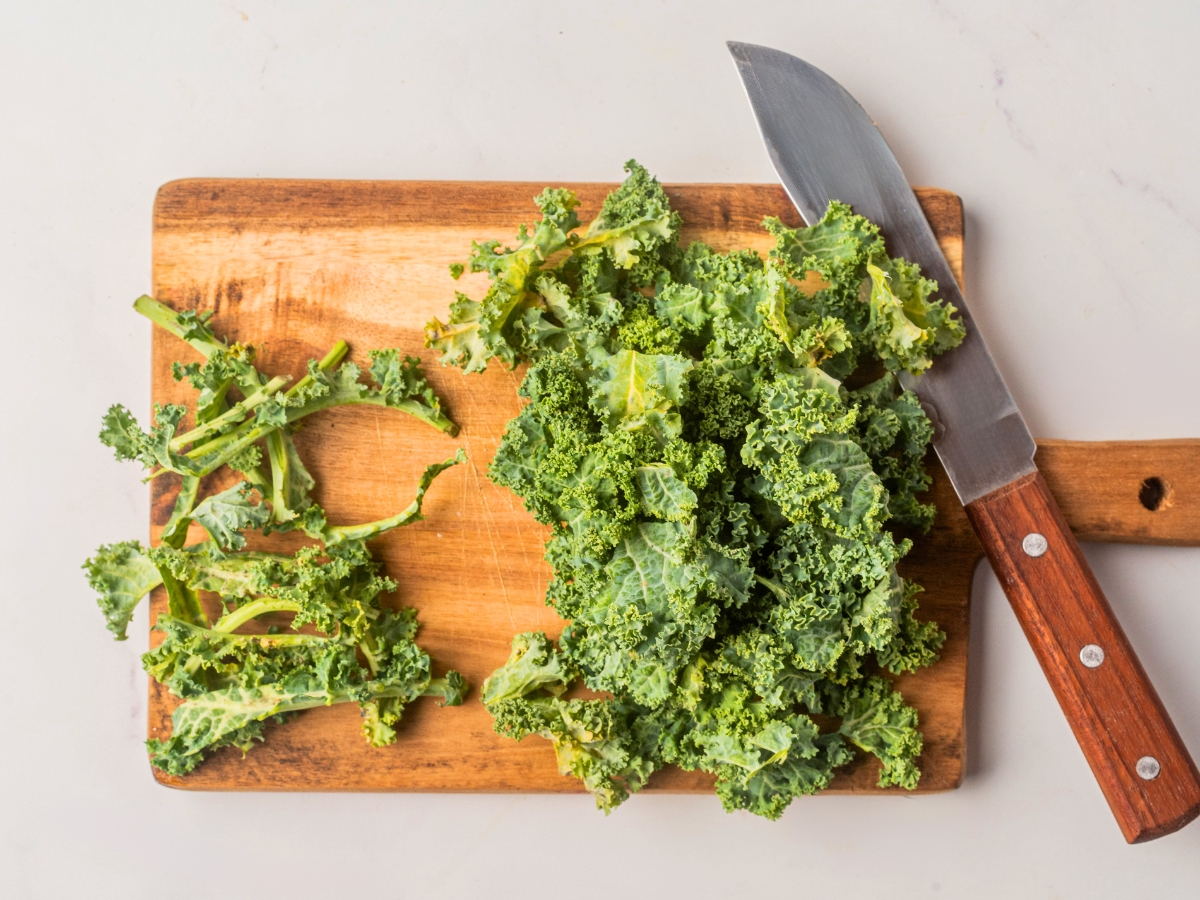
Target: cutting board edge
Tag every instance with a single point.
(953, 204)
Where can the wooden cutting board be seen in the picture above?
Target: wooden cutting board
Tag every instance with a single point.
(292, 266)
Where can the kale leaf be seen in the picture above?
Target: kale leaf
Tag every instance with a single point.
(233, 683)
(719, 498)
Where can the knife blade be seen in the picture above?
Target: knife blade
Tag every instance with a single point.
(825, 147)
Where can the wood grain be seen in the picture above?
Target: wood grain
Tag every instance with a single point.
(294, 265)
(1110, 704)
(1121, 503)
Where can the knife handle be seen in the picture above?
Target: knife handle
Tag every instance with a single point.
(1144, 770)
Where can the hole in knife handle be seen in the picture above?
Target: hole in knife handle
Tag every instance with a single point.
(1154, 494)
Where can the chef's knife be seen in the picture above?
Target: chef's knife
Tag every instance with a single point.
(825, 147)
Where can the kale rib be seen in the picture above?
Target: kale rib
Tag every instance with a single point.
(232, 684)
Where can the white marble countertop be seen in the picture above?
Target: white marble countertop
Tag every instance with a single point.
(1068, 128)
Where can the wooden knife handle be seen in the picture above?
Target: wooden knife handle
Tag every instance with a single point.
(1145, 771)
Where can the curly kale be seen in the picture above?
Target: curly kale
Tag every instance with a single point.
(719, 499)
(227, 434)
(232, 683)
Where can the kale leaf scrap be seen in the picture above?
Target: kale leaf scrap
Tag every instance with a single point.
(718, 492)
(232, 682)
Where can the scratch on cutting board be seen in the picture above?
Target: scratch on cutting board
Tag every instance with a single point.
(462, 544)
(491, 521)
(518, 514)
(530, 566)
(491, 539)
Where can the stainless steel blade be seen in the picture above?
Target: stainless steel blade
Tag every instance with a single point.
(825, 147)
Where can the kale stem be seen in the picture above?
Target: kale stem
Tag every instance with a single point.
(224, 447)
(367, 646)
(773, 586)
(229, 437)
(437, 420)
(336, 354)
(336, 534)
(257, 478)
(233, 414)
(281, 476)
(167, 319)
(175, 532)
(243, 614)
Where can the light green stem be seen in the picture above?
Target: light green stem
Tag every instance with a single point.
(367, 648)
(336, 534)
(335, 355)
(167, 319)
(280, 475)
(234, 414)
(239, 435)
(232, 621)
(773, 587)
(175, 532)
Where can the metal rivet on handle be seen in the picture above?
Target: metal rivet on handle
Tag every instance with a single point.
(1148, 768)
(1034, 544)
(1092, 655)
